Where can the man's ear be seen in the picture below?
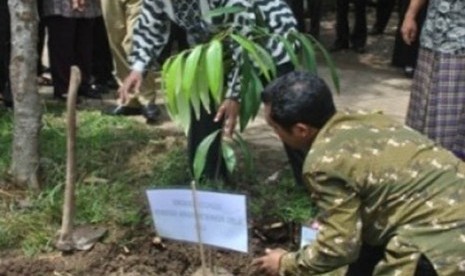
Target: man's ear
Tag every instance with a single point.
(304, 131)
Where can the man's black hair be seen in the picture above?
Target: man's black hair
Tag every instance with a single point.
(299, 97)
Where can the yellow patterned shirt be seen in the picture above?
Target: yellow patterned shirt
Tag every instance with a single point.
(379, 182)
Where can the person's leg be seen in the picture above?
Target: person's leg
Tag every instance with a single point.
(359, 34)
(384, 10)
(5, 54)
(369, 257)
(314, 7)
(146, 95)
(297, 7)
(342, 25)
(61, 45)
(102, 60)
(83, 54)
(215, 167)
(41, 39)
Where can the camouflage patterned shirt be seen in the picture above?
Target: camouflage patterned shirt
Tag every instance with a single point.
(379, 182)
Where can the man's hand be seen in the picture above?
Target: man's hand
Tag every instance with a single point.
(269, 264)
(78, 5)
(130, 84)
(229, 110)
(409, 30)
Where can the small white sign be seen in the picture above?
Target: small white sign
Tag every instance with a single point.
(223, 217)
(307, 236)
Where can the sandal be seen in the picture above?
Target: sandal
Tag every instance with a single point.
(44, 81)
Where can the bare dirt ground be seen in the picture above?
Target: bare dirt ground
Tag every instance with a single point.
(367, 81)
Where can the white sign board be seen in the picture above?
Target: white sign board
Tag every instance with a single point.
(223, 217)
(307, 236)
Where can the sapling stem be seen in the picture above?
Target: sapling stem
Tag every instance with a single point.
(198, 228)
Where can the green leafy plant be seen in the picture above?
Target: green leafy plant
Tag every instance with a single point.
(192, 78)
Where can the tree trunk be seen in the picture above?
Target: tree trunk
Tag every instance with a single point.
(27, 107)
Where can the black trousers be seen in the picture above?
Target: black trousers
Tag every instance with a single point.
(70, 43)
(370, 256)
(359, 34)
(102, 60)
(403, 54)
(41, 38)
(5, 52)
(384, 10)
(314, 10)
(215, 168)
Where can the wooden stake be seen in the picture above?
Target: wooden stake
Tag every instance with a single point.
(65, 241)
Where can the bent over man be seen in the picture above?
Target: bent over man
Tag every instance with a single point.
(391, 201)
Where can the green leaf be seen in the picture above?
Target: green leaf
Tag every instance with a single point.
(202, 85)
(245, 151)
(291, 52)
(308, 53)
(267, 59)
(189, 79)
(229, 157)
(190, 69)
(246, 83)
(201, 154)
(215, 70)
(330, 62)
(256, 90)
(251, 48)
(224, 11)
(173, 71)
(183, 116)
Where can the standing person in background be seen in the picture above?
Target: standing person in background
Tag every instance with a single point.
(70, 29)
(404, 55)
(437, 101)
(120, 18)
(151, 35)
(314, 8)
(102, 60)
(5, 44)
(358, 38)
(41, 68)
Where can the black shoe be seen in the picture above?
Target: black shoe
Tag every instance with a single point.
(338, 46)
(151, 113)
(122, 110)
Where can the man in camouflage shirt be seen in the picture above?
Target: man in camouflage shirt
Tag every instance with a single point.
(382, 189)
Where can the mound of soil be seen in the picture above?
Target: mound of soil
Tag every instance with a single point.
(142, 257)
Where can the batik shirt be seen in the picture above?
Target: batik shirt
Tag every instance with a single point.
(152, 29)
(381, 183)
(444, 28)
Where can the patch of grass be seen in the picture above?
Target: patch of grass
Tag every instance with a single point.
(281, 200)
(116, 159)
(6, 128)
